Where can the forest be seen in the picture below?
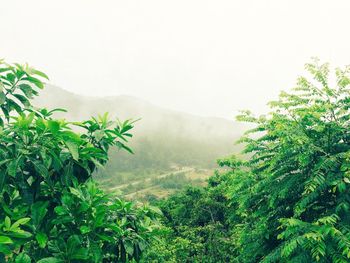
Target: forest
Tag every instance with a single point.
(285, 198)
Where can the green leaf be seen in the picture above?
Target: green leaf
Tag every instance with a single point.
(75, 250)
(81, 253)
(22, 99)
(73, 149)
(39, 210)
(96, 252)
(27, 90)
(19, 233)
(54, 126)
(7, 222)
(19, 222)
(129, 247)
(2, 179)
(2, 97)
(39, 73)
(84, 229)
(76, 192)
(50, 260)
(14, 106)
(60, 210)
(5, 250)
(41, 169)
(35, 81)
(155, 210)
(5, 240)
(42, 239)
(12, 168)
(23, 258)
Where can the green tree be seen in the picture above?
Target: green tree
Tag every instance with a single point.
(297, 208)
(289, 200)
(50, 209)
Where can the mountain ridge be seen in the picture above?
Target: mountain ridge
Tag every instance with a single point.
(162, 139)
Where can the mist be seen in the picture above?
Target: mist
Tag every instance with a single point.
(210, 58)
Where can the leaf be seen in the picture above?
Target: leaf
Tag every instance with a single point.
(39, 73)
(27, 90)
(75, 250)
(41, 169)
(81, 253)
(73, 149)
(2, 179)
(35, 81)
(39, 210)
(14, 106)
(155, 210)
(54, 126)
(50, 260)
(42, 239)
(19, 233)
(23, 258)
(129, 247)
(5, 240)
(19, 222)
(12, 168)
(85, 229)
(96, 252)
(7, 222)
(22, 99)
(5, 111)
(60, 210)
(123, 146)
(99, 135)
(5, 250)
(2, 97)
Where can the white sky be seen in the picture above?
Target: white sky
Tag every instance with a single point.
(205, 57)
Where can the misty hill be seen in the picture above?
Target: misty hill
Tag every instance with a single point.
(162, 138)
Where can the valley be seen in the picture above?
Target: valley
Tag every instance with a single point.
(171, 149)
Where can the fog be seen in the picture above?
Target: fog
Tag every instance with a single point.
(210, 58)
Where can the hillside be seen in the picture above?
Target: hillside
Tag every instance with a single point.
(164, 140)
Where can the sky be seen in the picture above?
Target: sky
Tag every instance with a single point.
(206, 57)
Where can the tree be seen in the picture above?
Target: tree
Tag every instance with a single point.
(289, 199)
(297, 209)
(50, 209)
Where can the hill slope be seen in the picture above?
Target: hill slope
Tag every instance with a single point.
(163, 139)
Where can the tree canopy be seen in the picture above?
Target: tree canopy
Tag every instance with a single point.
(288, 199)
(50, 209)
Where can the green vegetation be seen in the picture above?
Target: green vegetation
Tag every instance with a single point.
(287, 200)
(50, 209)
(153, 159)
(158, 187)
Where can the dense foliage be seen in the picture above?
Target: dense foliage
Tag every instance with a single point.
(297, 207)
(289, 200)
(50, 209)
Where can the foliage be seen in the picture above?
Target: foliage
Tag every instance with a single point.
(198, 229)
(50, 209)
(289, 202)
(298, 205)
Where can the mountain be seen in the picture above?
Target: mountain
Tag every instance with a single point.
(162, 138)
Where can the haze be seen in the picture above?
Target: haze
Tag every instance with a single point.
(203, 57)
